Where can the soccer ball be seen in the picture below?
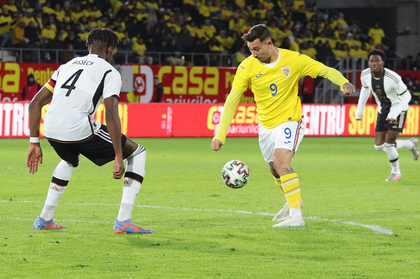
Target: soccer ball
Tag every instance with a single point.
(235, 174)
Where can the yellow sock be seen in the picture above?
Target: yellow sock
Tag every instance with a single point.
(291, 189)
(278, 183)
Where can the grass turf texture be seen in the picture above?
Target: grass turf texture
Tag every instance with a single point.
(207, 230)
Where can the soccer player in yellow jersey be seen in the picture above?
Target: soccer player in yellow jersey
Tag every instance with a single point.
(273, 75)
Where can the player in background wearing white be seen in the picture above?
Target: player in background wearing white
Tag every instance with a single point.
(274, 75)
(392, 97)
(75, 91)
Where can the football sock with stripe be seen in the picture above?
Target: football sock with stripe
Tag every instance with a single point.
(291, 189)
(392, 153)
(278, 183)
(60, 179)
(132, 182)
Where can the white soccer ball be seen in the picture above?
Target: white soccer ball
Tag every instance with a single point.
(235, 174)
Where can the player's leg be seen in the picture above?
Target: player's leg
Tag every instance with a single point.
(410, 144)
(288, 137)
(385, 141)
(380, 141)
(99, 149)
(266, 139)
(291, 188)
(59, 181)
(136, 161)
(392, 153)
(284, 212)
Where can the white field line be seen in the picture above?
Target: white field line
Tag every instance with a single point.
(374, 228)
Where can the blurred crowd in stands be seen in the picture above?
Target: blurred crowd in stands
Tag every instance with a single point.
(174, 29)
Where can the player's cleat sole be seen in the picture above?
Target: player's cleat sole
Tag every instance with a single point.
(414, 150)
(283, 213)
(127, 227)
(394, 177)
(290, 221)
(41, 224)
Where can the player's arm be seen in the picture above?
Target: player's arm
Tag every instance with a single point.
(114, 129)
(34, 154)
(337, 78)
(404, 98)
(363, 97)
(229, 110)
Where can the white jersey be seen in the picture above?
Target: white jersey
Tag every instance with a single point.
(78, 87)
(390, 93)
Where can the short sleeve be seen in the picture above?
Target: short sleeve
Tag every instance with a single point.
(112, 84)
(50, 85)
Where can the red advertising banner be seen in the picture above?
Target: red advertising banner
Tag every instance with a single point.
(205, 85)
(202, 120)
(180, 84)
(13, 76)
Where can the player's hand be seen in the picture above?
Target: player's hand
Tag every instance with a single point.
(33, 157)
(392, 121)
(348, 88)
(216, 144)
(118, 167)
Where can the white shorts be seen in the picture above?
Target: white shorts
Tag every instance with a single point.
(287, 135)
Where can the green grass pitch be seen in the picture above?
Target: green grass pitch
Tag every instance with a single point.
(357, 225)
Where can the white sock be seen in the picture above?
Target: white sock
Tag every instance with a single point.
(60, 179)
(130, 191)
(125, 212)
(392, 153)
(404, 144)
(395, 166)
(132, 182)
(54, 194)
(296, 213)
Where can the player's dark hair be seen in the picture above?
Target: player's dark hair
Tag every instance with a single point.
(103, 37)
(259, 31)
(377, 52)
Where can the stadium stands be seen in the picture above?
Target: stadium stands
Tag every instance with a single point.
(188, 32)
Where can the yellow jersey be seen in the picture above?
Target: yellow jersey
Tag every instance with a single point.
(376, 34)
(275, 86)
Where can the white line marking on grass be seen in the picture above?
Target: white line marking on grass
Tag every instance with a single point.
(374, 228)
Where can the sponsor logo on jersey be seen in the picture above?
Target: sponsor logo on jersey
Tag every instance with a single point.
(286, 71)
(259, 75)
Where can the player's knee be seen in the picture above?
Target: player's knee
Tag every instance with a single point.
(63, 171)
(140, 152)
(136, 163)
(389, 145)
(380, 147)
(75, 163)
(143, 152)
